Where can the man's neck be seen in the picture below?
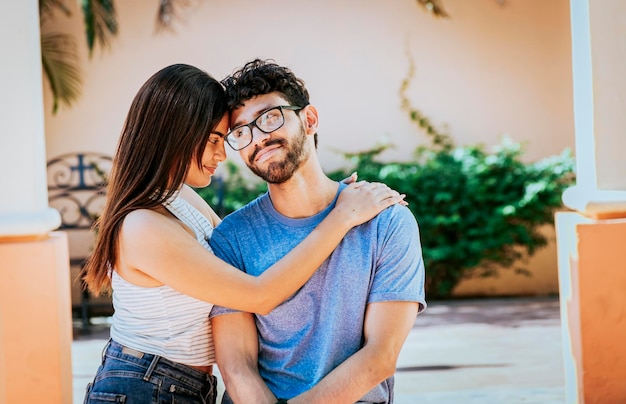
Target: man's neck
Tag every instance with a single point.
(307, 193)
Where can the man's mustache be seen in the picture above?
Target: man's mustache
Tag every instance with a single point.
(257, 149)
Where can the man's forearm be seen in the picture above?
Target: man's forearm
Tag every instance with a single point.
(244, 385)
(351, 380)
(236, 353)
(386, 327)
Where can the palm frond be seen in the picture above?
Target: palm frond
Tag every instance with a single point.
(100, 22)
(167, 12)
(60, 64)
(47, 7)
(434, 6)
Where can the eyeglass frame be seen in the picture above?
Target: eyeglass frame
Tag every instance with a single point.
(253, 124)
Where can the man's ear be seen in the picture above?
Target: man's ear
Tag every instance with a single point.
(310, 119)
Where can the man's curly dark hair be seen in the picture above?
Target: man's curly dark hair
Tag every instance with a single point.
(260, 77)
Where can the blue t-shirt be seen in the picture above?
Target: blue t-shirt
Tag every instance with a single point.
(320, 326)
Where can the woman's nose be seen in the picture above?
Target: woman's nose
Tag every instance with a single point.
(220, 154)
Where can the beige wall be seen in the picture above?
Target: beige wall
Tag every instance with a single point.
(542, 280)
(486, 71)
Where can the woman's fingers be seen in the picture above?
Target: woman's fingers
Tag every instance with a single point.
(387, 194)
(350, 179)
(380, 191)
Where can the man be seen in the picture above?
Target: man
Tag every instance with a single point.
(338, 338)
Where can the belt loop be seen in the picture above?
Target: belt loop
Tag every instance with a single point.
(212, 396)
(153, 364)
(104, 350)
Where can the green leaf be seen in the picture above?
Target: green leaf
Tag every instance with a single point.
(60, 65)
(100, 22)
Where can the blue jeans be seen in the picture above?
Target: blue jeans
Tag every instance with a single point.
(133, 377)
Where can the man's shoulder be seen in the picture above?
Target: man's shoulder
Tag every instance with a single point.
(397, 220)
(397, 212)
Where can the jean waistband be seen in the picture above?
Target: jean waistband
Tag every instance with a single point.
(154, 363)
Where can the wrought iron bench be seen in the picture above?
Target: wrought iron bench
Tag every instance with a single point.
(76, 188)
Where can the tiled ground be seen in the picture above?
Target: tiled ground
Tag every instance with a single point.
(497, 351)
(492, 351)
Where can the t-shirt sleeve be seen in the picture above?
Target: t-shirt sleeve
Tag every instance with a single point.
(223, 247)
(399, 273)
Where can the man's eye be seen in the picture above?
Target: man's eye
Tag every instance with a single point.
(270, 117)
(239, 132)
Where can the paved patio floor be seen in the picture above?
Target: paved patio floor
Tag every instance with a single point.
(488, 351)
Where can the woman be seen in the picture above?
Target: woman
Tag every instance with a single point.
(152, 247)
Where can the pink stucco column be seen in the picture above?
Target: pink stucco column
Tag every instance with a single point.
(591, 240)
(35, 311)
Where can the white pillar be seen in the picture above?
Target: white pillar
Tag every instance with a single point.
(599, 63)
(35, 306)
(24, 207)
(592, 260)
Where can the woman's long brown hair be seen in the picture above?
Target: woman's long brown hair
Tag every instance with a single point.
(167, 127)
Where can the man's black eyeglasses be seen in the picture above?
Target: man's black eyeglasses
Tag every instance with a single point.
(267, 122)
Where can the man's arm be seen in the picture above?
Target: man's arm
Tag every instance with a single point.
(236, 352)
(387, 324)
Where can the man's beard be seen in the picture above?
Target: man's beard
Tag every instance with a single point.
(278, 172)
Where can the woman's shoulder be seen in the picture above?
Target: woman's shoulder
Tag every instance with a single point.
(190, 196)
(144, 220)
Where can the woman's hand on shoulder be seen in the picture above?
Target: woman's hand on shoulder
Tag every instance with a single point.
(361, 201)
(351, 178)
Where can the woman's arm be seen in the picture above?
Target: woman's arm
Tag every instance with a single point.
(161, 248)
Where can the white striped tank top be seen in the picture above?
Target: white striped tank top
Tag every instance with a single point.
(160, 320)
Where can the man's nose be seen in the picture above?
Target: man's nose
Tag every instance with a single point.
(258, 136)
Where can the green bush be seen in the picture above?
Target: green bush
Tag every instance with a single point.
(477, 210)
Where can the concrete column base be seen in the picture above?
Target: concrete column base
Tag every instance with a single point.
(35, 320)
(592, 277)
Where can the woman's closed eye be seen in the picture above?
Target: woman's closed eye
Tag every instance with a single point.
(215, 137)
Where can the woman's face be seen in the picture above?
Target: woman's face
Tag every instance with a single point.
(214, 153)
